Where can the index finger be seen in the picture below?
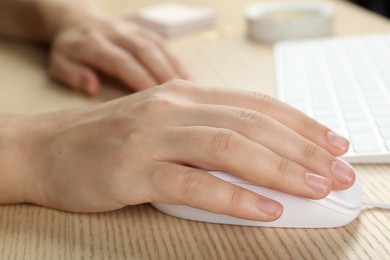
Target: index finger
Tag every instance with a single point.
(282, 112)
(182, 185)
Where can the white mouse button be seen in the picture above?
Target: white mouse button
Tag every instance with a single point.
(351, 198)
(338, 209)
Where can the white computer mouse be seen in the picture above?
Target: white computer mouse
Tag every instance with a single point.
(337, 209)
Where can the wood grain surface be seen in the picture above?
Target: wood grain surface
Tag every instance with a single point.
(140, 232)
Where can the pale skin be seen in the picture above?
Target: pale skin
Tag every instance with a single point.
(84, 42)
(152, 146)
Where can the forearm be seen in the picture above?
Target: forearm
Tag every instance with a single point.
(40, 20)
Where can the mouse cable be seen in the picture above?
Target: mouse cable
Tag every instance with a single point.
(376, 204)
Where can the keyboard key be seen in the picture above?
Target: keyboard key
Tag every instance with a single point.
(380, 112)
(383, 121)
(385, 133)
(377, 101)
(364, 142)
(324, 113)
(358, 126)
(329, 122)
(357, 115)
(351, 98)
(351, 106)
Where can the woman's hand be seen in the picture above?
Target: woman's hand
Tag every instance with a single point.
(84, 42)
(121, 49)
(152, 146)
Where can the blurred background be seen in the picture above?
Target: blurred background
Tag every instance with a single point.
(379, 6)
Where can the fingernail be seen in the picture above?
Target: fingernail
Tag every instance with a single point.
(337, 141)
(316, 182)
(342, 172)
(270, 207)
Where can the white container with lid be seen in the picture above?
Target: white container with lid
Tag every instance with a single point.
(271, 22)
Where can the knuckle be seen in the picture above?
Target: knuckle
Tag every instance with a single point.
(177, 84)
(308, 124)
(309, 152)
(180, 86)
(282, 170)
(157, 39)
(83, 40)
(184, 184)
(116, 32)
(221, 141)
(189, 184)
(247, 114)
(143, 47)
(234, 198)
(157, 103)
(115, 28)
(261, 121)
(90, 37)
(265, 100)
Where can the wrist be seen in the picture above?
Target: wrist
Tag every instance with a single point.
(18, 139)
(11, 179)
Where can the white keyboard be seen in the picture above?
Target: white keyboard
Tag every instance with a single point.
(344, 83)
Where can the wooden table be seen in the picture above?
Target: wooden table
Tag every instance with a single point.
(140, 232)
